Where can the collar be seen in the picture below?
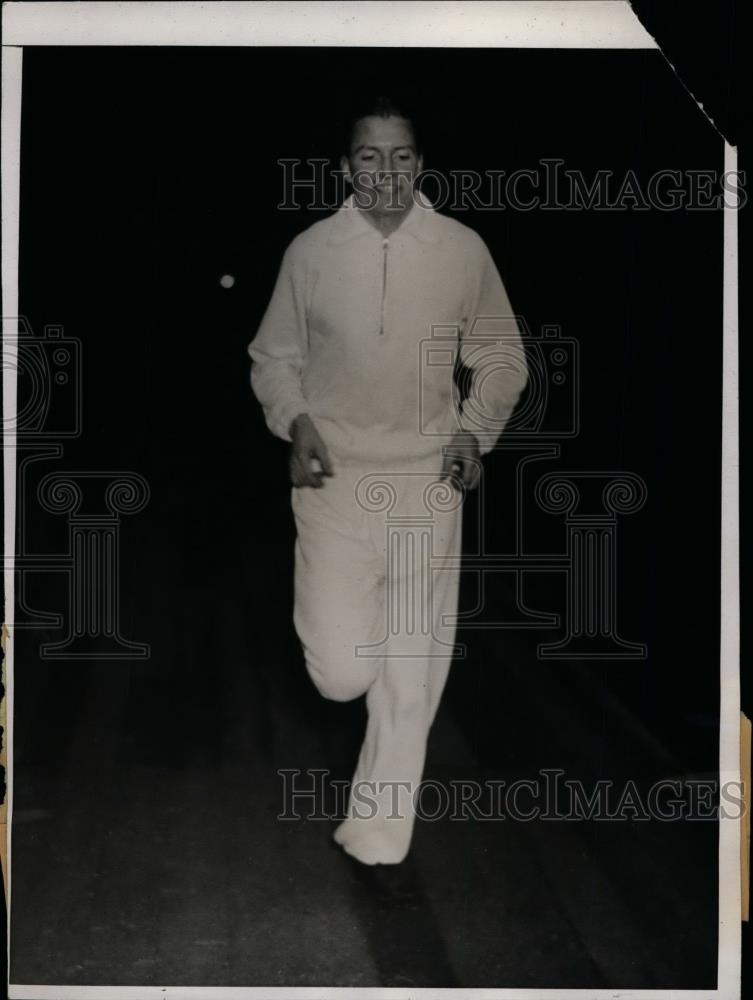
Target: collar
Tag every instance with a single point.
(349, 222)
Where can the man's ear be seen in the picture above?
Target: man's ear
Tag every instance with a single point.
(345, 167)
(420, 163)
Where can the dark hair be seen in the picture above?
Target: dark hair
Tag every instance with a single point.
(378, 106)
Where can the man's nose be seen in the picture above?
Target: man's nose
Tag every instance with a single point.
(390, 169)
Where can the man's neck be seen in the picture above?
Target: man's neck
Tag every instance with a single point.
(386, 223)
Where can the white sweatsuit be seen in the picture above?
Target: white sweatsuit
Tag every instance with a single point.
(362, 333)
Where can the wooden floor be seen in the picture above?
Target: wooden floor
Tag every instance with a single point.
(147, 847)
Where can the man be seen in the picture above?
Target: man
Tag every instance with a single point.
(342, 370)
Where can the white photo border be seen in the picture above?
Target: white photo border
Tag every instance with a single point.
(579, 25)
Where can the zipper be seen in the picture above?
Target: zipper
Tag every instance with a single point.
(385, 245)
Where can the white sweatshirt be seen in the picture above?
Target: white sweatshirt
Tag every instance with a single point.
(362, 333)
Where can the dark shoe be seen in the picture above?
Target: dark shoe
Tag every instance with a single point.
(387, 883)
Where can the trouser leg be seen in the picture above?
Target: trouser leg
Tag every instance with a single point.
(421, 554)
(338, 591)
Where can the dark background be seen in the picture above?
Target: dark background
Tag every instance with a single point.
(146, 175)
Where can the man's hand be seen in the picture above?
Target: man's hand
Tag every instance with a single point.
(462, 459)
(309, 458)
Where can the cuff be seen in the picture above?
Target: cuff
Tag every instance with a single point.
(286, 415)
(486, 439)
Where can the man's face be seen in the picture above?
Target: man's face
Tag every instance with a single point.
(383, 163)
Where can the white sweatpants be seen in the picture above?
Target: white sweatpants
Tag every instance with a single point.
(376, 590)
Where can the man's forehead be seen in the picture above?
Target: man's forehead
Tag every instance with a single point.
(377, 132)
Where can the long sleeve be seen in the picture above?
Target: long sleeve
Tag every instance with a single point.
(492, 348)
(278, 351)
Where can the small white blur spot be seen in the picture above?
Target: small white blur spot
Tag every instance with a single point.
(227, 280)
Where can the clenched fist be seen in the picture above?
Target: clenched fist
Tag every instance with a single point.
(309, 458)
(462, 459)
